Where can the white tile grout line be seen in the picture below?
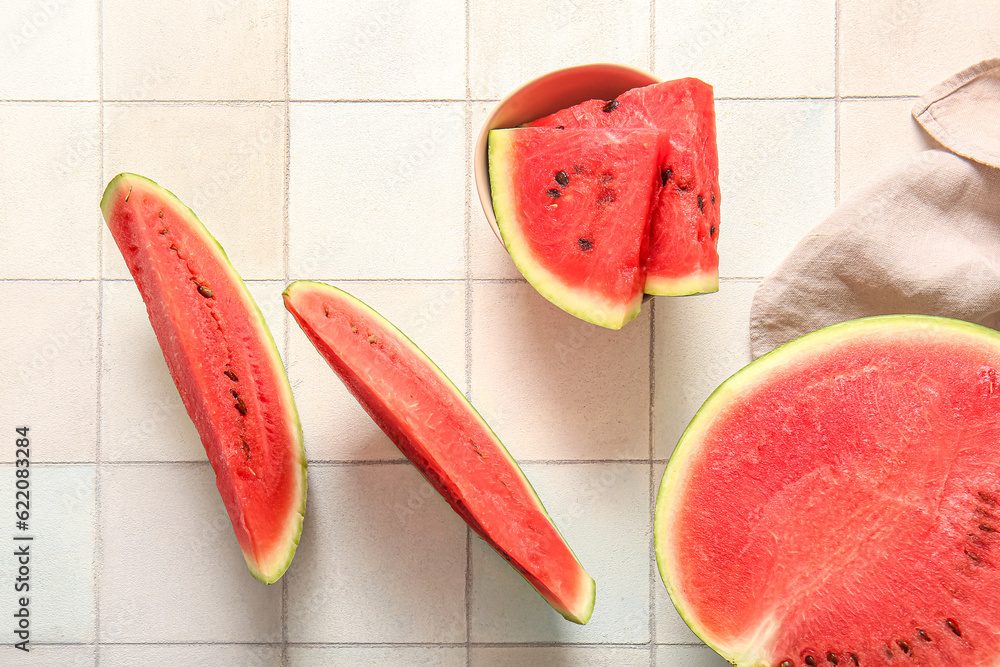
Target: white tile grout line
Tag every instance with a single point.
(98, 551)
(468, 305)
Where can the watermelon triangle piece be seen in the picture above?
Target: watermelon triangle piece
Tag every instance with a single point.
(684, 227)
(573, 209)
(445, 438)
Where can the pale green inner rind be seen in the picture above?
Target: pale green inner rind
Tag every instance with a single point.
(672, 488)
(700, 283)
(265, 572)
(581, 615)
(587, 306)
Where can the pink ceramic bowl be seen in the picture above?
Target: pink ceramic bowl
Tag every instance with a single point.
(547, 94)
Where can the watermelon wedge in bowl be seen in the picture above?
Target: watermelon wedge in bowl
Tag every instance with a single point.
(837, 501)
(445, 438)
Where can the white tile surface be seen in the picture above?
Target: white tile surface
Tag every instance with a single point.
(225, 162)
(602, 510)
(776, 173)
(60, 555)
(688, 656)
(700, 341)
(395, 208)
(387, 49)
(192, 50)
(382, 559)
(49, 50)
(48, 362)
(929, 40)
(539, 375)
(172, 570)
(382, 656)
(511, 43)
(558, 655)
(232, 655)
(57, 656)
(50, 169)
(875, 136)
(334, 425)
(781, 48)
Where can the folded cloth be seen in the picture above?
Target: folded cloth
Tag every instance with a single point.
(924, 238)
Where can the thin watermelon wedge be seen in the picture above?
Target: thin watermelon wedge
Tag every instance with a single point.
(444, 437)
(573, 210)
(683, 253)
(224, 362)
(837, 501)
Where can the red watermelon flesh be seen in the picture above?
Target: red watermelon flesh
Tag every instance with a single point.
(444, 437)
(684, 229)
(838, 501)
(573, 210)
(223, 360)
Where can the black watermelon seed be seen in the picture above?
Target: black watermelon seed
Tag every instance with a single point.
(975, 557)
(246, 447)
(713, 199)
(585, 245)
(610, 106)
(239, 405)
(923, 635)
(560, 127)
(231, 375)
(163, 232)
(701, 204)
(711, 231)
(987, 498)
(953, 626)
(786, 663)
(811, 661)
(562, 178)
(665, 175)
(554, 193)
(987, 529)
(160, 215)
(205, 291)
(831, 658)
(854, 658)
(903, 645)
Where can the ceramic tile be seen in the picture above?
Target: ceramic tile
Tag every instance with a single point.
(231, 655)
(602, 509)
(59, 557)
(48, 362)
(563, 656)
(511, 43)
(49, 221)
(688, 656)
(49, 50)
(335, 426)
(171, 568)
(226, 162)
(382, 559)
(57, 656)
(377, 50)
(142, 416)
(700, 341)
(487, 256)
(781, 48)
(875, 136)
(383, 656)
(915, 43)
(553, 386)
(222, 50)
(395, 209)
(776, 173)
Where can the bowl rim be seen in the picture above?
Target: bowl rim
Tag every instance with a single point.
(507, 114)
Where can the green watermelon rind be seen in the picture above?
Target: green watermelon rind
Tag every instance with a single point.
(582, 615)
(725, 395)
(593, 309)
(265, 575)
(705, 282)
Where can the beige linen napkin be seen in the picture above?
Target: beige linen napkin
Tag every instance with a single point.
(925, 238)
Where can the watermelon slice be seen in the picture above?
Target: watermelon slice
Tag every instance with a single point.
(223, 360)
(837, 502)
(684, 230)
(434, 425)
(573, 211)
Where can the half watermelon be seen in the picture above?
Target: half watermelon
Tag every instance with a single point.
(684, 228)
(434, 425)
(837, 502)
(573, 210)
(223, 360)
